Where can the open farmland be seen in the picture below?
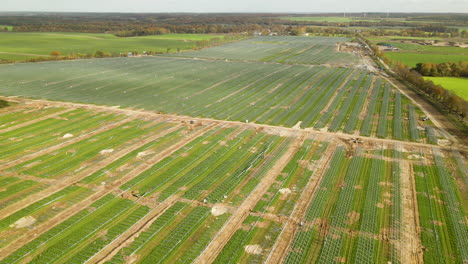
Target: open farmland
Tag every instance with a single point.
(411, 59)
(76, 187)
(292, 50)
(190, 160)
(349, 99)
(457, 85)
(18, 46)
(412, 51)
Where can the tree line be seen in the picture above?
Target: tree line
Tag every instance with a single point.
(446, 98)
(446, 69)
(127, 25)
(449, 99)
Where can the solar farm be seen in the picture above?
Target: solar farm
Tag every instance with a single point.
(267, 150)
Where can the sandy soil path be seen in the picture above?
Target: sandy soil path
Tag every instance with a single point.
(81, 175)
(266, 128)
(235, 222)
(35, 120)
(280, 249)
(101, 191)
(64, 144)
(410, 243)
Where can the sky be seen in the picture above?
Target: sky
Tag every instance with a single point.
(209, 6)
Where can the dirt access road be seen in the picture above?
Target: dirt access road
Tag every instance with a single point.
(282, 131)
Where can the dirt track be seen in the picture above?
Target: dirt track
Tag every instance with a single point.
(436, 117)
(410, 244)
(101, 192)
(64, 144)
(267, 128)
(234, 223)
(35, 120)
(280, 249)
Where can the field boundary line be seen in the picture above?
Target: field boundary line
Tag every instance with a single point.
(64, 144)
(81, 175)
(104, 190)
(235, 221)
(27, 123)
(271, 128)
(30, 235)
(365, 107)
(111, 249)
(285, 238)
(410, 243)
(123, 239)
(436, 117)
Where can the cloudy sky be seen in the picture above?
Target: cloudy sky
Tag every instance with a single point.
(306, 6)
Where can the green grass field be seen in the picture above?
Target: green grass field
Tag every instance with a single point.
(411, 59)
(276, 93)
(412, 53)
(22, 46)
(458, 85)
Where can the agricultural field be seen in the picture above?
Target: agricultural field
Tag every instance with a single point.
(337, 19)
(280, 93)
(457, 85)
(292, 50)
(411, 53)
(15, 46)
(319, 19)
(206, 159)
(411, 59)
(79, 181)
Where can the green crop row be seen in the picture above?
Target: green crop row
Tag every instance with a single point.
(371, 108)
(147, 235)
(44, 203)
(72, 156)
(56, 232)
(162, 142)
(13, 118)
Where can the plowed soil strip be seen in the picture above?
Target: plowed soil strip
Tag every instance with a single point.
(102, 191)
(35, 120)
(365, 107)
(280, 249)
(173, 117)
(110, 250)
(134, 231)
(30, 235)
(235, 222)
(410, 244)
